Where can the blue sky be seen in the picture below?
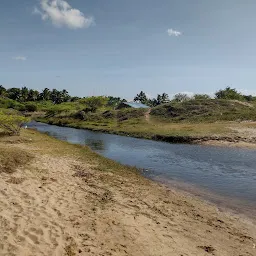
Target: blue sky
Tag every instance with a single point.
(120, 47)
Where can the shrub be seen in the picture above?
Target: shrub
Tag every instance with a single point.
(126, 114)
(229, 94)
(93, 103)
(11, 123)
(31, 107)
(80, 115)
(202, 97)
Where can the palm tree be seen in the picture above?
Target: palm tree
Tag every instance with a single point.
(14, 93)
(2, 91)
(24, 94)
(45, 94)
(33, 95)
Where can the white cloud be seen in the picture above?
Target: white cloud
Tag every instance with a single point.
(23, 58)
(172, 32)
(247, 92)
(60, 13)
(149, 96)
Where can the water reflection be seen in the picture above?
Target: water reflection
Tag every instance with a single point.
(229, 172)
(98, 145)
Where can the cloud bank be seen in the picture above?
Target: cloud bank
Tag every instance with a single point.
(61, 14)
(23, 58)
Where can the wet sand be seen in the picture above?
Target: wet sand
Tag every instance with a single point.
(234, 206)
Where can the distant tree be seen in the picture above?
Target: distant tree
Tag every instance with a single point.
(248, 97)
(165, 98)
(114, 101)
(24, 94)
(2, 91)
(141, 97)
(93, 103)
(14, 93)
(55, 96)
(229, 94)
(202, 97)
(152, 102)
(58, 97)
(33, 95)
(161, 99)
(65, 96)
(181, 97)
(45, 94)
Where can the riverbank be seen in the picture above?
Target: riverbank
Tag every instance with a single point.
(62, 199)
(227, 134)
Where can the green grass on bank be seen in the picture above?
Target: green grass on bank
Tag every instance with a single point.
(142, 129)
(48, 145)
(210, 110)
(189, 118)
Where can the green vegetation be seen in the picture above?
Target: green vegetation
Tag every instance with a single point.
(181, 116)
(231, 94)
(94, 103)
(11, 121)
(207, 110)
(187, 118)
(31, 107)
(160, 99)
(49, 145)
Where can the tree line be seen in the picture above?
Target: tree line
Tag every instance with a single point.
(226, 94)
(24, 94)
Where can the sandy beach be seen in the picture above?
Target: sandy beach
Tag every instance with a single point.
(60, 199)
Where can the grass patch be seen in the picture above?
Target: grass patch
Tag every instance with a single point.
(141, 129)
(210, 110)
(13, 158)
(49, 145)
(190, 118)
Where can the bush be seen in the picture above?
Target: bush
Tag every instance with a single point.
(201, 97)
(181, 97)
(31, 107)
(11, 123)
(93, 103)
(7, 103)
(229, 94)
(126, 114)
(80, 115)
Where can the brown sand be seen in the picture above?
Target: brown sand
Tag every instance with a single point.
(60, 205)
(236, 130)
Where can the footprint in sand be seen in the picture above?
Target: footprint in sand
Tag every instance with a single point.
(32, 237)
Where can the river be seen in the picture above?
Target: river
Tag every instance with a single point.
(226, 176)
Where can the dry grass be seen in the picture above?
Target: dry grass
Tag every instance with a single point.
(147, 129)
(71, 248)
(161, 127)
(45, 144)
(15, 180)
(13, 158)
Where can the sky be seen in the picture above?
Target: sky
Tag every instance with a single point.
(120, 47)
